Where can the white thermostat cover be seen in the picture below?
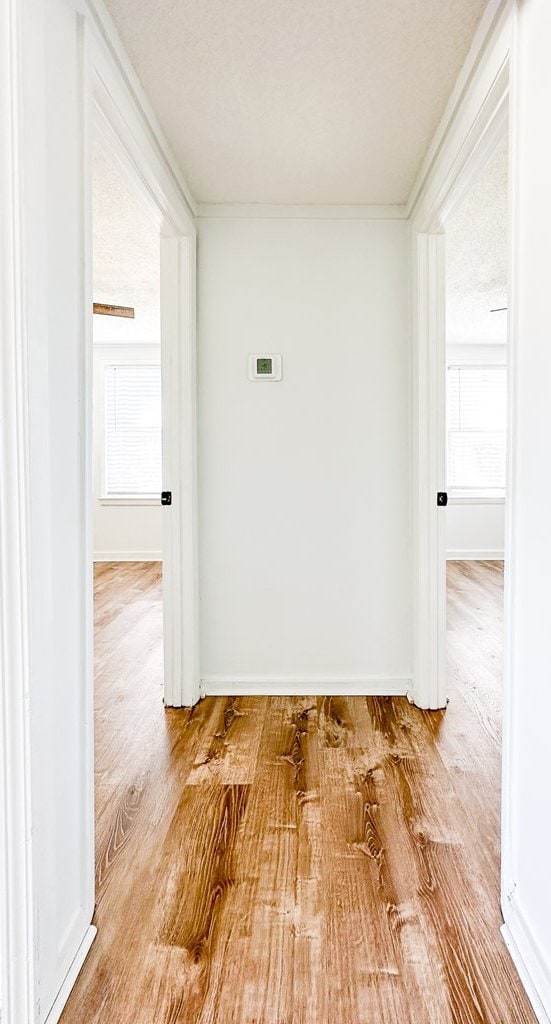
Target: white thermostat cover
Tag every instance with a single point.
(264, 366)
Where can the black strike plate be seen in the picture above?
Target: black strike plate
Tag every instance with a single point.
(166, 497)
(441, 498)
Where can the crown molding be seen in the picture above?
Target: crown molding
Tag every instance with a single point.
(309, 211)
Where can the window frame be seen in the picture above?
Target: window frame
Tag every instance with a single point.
(106, 363)
(473, 495)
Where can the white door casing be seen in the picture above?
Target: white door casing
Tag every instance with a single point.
(477, 121)
(68, 81)
(146, 175)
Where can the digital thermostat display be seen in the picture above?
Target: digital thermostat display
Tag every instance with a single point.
(265, 366)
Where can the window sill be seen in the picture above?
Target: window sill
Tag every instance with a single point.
(134, 500)
(464, 498)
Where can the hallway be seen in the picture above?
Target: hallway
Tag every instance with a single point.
(296, 861)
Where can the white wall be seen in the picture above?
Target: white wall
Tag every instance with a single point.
(47, 765)
(304, 484)
(131, 531)
(55, 300)
(475, 529)
(527, 850)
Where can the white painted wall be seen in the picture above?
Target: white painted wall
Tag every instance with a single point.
(131, 531)
(527, 849)
(475, 529)
(304, 484)
(56, 296)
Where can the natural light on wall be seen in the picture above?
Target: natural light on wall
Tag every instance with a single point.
(477, 428)
(132, 430)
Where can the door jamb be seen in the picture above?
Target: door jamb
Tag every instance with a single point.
(147, 178)
(481, 122)
(16, 873)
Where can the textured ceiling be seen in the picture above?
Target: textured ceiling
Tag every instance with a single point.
(476, 259)
(298, 101)
(126, 257)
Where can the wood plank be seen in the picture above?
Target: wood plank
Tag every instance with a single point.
(106, 309)
(230, 748)
(452, 870)
(271, 964)
(296, 860)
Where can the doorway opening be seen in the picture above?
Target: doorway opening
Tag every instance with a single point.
(127, 424)
(476, 435)
(126, 428)
(476, 440)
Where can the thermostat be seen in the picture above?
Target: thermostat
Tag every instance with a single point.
(265, 366)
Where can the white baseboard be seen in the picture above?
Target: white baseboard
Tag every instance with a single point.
(304, 686)
(128, 556)
(482, 555)
(533, 972)
(71, 976)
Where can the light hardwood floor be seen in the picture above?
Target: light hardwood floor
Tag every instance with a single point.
(296, 861)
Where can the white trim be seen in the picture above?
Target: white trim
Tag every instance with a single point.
(481, 364)
(477, 125)
(477, 121)
(429, 472)
(121, 126)
(124, 88)
(128, 556)
(17, 922)
(476, 555)
(135, 499)
(523, 948)
(510, 693)
(71, 976)
(122, 345)
(86, 487)
(304, 685)
(465, 91)
(180, 545)
(281, 211)
(473, 498)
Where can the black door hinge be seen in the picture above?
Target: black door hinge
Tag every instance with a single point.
(166, 497)
(441, 498)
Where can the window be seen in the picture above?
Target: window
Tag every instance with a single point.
(477, 428)
(132, 467)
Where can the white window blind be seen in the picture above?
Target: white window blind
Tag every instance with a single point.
(477, 427)
(133, 430)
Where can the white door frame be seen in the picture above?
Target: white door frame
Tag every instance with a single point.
(480, 123)
(144, 173)
(485, 113)
(112, 103)
(16, 875)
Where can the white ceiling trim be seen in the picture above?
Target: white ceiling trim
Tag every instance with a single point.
(272, 112)
(491, 25)
(104, 27)
(312, 211)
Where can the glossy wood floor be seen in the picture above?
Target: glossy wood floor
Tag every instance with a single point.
(296, 861)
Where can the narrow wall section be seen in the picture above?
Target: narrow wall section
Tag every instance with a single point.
(304, 486)
(527, 822)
